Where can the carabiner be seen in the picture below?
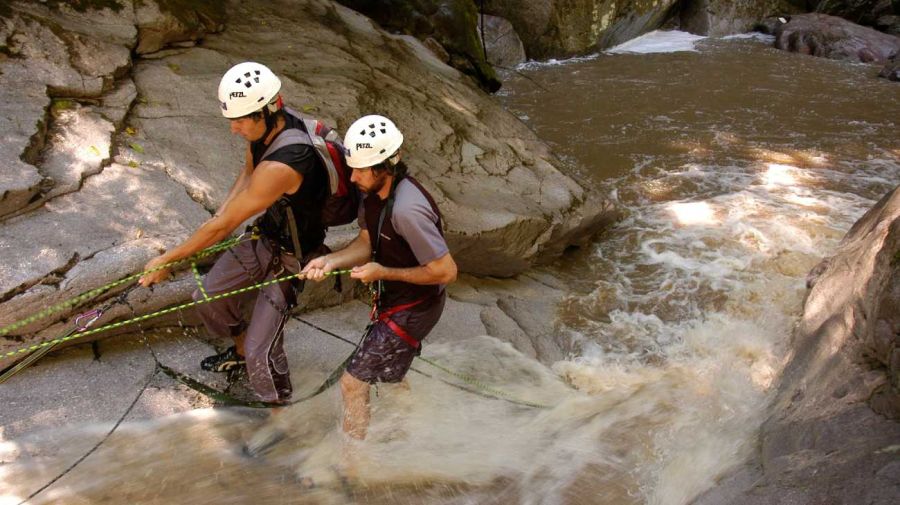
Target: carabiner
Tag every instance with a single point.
(94, 315)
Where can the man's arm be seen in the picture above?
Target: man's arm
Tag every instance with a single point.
(440, 271)
(266, 184)
(241, 182)
(357, 252)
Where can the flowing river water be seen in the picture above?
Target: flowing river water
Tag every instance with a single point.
(738, 168)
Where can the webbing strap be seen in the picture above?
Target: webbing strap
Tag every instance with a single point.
(295, 234)
(385, 317)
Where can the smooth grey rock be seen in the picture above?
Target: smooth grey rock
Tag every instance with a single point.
(78, 142)
(114, 26)
(144, 203)
(835, 38)
(891, 70)
(717, 18)
(554, 28)
(116, 104)
(502, 43)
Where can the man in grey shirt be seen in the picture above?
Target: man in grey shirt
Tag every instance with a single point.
(400, 252)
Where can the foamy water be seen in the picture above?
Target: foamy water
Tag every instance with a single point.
(658, 41)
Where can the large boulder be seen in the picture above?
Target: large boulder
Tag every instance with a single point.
(501, 42)
(836, 38)
(717, 18)
(450, 23)
(833, 431)
(169, 160)
(891, 70)
(554, 28)
(864, 12)
(888, 24)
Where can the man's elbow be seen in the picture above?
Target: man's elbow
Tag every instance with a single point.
(450, 273)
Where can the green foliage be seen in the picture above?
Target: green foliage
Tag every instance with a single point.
(62, 104)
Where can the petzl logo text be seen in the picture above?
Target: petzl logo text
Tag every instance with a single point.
(236, 94)
(364, 146)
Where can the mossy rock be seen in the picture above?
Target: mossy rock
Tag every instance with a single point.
(194, 14)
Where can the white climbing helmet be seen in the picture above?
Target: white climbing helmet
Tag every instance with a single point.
(246, 88)
(370, 140)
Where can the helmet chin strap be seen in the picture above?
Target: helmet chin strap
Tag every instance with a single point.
(269, 116)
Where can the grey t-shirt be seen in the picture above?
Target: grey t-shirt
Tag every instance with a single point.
(414, 219)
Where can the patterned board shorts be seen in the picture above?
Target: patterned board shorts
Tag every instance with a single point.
(385, 357)
(382, 356)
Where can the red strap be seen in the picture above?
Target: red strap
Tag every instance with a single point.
(385, 317)
(396, 328)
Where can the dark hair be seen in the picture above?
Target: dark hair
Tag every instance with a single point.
(259, 114)
(397, 169)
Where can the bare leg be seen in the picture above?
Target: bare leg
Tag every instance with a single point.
(355, 394)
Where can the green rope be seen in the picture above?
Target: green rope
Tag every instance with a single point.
(158, 313)
(199, 280)
(227, 244)
(484, 387)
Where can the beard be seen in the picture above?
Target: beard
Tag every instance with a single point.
(376, 185)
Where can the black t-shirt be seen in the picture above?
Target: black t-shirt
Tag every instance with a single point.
(306, 202)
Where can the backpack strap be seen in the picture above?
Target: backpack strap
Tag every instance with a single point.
(293, 136)
(312, 137)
